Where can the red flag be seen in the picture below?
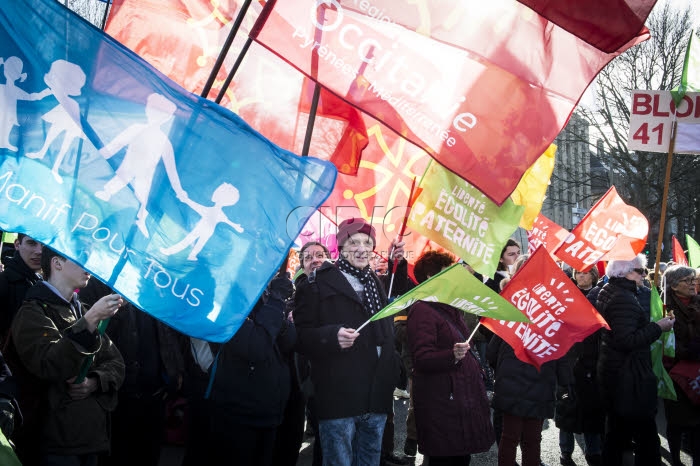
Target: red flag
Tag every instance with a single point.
(677, 252)
(545, 233)
(605, 24)
(610, 230)
(483, 91)
(183, 38)
(559, 313)
(379, 193)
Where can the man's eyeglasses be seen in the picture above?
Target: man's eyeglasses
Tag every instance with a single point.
(641, 272)
(689, 281)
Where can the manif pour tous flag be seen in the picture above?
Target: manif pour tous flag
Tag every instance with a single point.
(560, 314)
(482, 87)
(184, 38)
(173, 201)
(460, 218)
(545, 233)
(610, 230)
(457, 287)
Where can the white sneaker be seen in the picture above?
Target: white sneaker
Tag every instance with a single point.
(398, 393)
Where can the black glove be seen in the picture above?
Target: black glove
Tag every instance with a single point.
(7, 417)
(280, 288)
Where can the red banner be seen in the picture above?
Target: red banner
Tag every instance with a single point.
(610, 230)
(545, 233)
(183, 39)
(559, 313)
(483, 91)
(677, 252)
(379, 192)
(605, 24)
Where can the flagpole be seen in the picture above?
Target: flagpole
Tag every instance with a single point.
(395, 264)
(225, 48)
(105, 15)
(473, 332)
(317, 87)
(259, 23)
(667, 181)
(312, 119)
(357, 330)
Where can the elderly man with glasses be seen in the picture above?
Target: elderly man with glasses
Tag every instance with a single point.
(627, 381)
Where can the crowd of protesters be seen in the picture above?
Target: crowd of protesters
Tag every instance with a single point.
(88, 379)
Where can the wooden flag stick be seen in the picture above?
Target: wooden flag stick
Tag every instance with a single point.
(402, 230)
(667, 181)
(473, 332)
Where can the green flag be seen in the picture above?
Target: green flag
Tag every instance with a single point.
(690, 78)
(7, 454)
(8, 237)
(693, 252)
(459, 288)
(658, 349)
(460, 218)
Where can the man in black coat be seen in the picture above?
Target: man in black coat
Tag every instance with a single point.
(250, 383)
(21, 272)
(354, 373)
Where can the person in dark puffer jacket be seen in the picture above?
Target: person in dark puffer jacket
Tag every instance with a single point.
(626, 380)
(250, 383)
(526, 397)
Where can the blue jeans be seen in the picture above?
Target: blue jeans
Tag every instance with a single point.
(352, 441)
(592, 442)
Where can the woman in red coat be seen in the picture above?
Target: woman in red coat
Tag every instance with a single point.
(451, 409)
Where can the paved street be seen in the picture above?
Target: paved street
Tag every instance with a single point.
(550, 444)
(172, 456)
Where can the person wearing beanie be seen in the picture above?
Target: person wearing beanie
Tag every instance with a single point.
(353, 373)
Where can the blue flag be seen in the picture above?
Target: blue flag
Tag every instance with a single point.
(170, 199)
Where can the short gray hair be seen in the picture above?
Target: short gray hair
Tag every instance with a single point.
(675, 273)
(621, 268)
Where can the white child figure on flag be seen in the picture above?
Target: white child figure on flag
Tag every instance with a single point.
(65, 79)
(146, 145)
(9, 95)
(225, 195)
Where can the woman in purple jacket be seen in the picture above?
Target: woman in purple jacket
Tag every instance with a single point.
(451, 409)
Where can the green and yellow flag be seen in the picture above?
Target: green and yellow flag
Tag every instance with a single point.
(458, 288)
(666, 344)
(461, 219)
(693, 251)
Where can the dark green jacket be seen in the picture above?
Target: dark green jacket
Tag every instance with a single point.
(52, 344)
